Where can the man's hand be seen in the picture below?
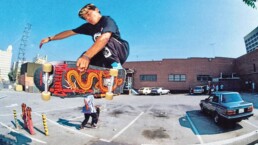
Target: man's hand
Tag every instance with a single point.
(82, 63)
(45, 40)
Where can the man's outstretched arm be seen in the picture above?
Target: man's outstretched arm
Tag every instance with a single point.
(58, 36)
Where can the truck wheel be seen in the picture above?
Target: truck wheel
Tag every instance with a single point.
(216, 118)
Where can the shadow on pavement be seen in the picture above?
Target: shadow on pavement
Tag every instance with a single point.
(67, 123)
(21, 124)
(204, 124)
(5, 140)
(20, 139)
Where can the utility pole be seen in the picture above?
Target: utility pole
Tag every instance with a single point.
(21, 55)
(23, 44)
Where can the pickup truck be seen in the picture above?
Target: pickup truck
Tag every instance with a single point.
(226, 107)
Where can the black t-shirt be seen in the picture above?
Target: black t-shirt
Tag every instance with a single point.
(118, 49)
(106, 24)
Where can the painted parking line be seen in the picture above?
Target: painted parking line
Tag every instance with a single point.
(67, 128)
(12, 105)
(126, 127)
(3, 97)
(45, 111)
(235, 139)
(5, 115)
(248, 122)
(194, 129)
(34, 139)
(101, 139)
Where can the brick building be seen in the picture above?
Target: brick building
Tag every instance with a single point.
(181, 74)
(246, 67)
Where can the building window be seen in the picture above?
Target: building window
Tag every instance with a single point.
(177, 78)
(254, 67)
(202, 78)
(148, 78)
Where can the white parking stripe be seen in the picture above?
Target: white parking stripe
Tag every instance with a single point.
(67, 128)
(45, 111)
(121, 131)
(105, 140)
(194, 129)
(250, 123)
(5, 115)
(37, 140)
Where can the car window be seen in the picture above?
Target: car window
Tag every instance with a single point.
(227, 98)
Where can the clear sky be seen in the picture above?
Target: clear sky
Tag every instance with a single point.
(155, 29)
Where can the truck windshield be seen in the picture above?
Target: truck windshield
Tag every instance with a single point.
(227, 98)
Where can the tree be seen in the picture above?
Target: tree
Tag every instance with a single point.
(250, 3)
(12, 76)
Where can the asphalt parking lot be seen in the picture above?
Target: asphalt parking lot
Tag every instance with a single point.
(173, 119)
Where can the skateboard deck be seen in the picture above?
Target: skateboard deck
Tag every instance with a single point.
(65, 80)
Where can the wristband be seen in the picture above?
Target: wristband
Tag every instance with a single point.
(49, 39)
(86, 56)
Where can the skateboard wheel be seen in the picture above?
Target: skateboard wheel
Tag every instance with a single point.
(113, 72)
(18, 88)
(47, 67)
(45, 96)
(109, 96)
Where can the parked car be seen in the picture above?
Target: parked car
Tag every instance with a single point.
(199, 90)
(144, 91)
(159, 90)
(227, 107)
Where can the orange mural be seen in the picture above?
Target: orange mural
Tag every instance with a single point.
(76, 81)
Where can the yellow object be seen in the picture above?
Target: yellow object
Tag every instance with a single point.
(15, 119)
(109, 96)
(47, 67)
(44, 118)
(113, 72)
(45, 96)
(18, 88)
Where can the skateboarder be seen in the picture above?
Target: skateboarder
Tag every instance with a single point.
(89, 110)
(109, 49)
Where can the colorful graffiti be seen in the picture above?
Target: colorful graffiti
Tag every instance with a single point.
(66, 80)
(77, 82)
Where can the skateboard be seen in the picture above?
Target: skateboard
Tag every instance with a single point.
(61, 78)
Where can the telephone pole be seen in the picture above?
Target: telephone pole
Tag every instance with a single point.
(23, 44)
(21, 55)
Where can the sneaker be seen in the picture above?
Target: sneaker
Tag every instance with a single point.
(93, 126)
